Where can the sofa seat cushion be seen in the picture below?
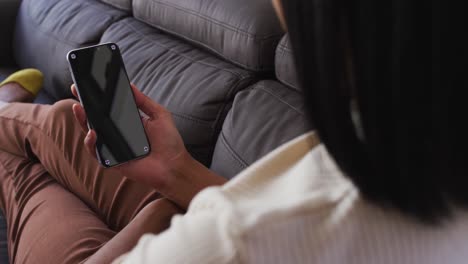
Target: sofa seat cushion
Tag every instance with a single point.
(195, 86)
(47, 29)
(261, 119)
(244, 32)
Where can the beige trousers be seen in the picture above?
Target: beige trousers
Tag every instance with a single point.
(60, 205)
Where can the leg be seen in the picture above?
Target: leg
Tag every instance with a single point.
(46, 223)
(21, 86)
(50, 135)
(32, 200)
(13, 92)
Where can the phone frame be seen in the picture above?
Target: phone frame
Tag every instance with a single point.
(99, 158)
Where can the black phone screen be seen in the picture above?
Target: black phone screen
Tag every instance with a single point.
(106, 95)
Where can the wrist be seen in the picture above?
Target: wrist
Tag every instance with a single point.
(187, 178)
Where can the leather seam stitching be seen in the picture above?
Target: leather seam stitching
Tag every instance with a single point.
(215, 21)
(219, 121)
(282, 53)
(238, 75)
(262, 87)
(195, 120)
(229, 58)
(71, 43)
(234, 154)
(118, 5)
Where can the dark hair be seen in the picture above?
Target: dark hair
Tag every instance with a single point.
(409, 151)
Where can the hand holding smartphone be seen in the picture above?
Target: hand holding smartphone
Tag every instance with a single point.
(107, 98)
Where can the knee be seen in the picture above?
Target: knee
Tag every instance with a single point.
(61, 113)
(62, 109)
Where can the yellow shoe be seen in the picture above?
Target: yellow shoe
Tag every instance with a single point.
(30, 79)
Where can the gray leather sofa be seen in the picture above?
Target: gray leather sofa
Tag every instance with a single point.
(222, 67)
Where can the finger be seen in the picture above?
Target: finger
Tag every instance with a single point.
(74, 91)
(80, 117)
(146, 104)
(90, 143)
(138, 95)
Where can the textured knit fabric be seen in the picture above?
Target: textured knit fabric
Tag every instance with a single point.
(295, 206)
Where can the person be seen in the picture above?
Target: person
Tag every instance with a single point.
(381, 181)
(54, 193)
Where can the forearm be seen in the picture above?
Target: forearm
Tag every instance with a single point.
(154, 218)
(188, 180)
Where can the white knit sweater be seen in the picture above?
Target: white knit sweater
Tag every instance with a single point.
(295, 206)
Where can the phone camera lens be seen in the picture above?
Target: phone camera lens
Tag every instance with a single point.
(73, 56)
(113, 47)
(146, 149)
(108, 162)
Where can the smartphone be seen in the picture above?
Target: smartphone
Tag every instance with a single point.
(106, 95)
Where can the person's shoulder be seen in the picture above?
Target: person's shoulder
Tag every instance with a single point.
(294, 181)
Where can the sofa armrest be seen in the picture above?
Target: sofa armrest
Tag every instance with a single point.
(8, 12)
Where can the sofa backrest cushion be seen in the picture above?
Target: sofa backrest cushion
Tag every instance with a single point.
(245, 32)
(197, 87)
(47, 29)
(121, 4)
(285, 67)
(261, 119)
